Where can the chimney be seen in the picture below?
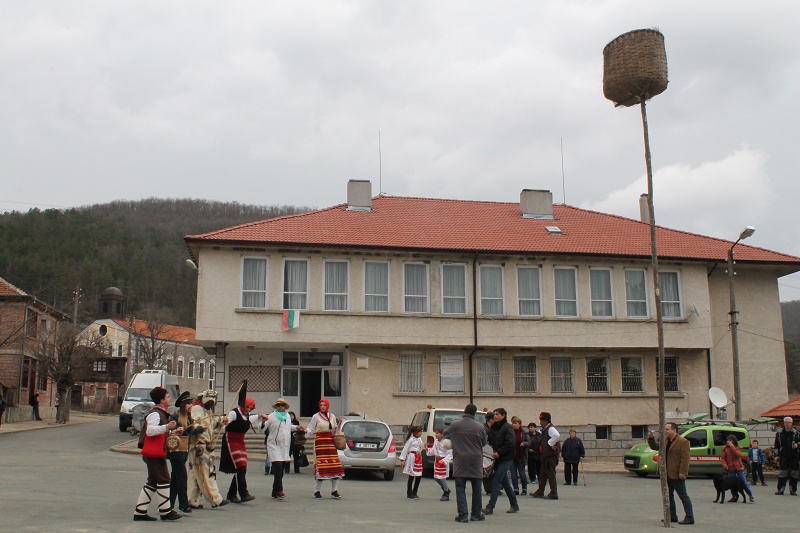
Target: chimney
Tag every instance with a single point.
(536, 204)
(359, 195)
(644, 211)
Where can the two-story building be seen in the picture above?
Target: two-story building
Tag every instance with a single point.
(530, 306)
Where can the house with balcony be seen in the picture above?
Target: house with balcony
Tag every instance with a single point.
(405, 302)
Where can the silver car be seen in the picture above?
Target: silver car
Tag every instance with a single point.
(370, 446)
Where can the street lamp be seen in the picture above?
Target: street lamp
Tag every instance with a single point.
(737, 390)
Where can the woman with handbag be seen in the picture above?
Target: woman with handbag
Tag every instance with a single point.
(177, 456)
(327, 465)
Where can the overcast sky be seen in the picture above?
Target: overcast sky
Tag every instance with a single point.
(268, 102)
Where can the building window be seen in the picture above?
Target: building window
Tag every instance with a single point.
(566, 291)
(491, 290)
(169, 365)
(179, 370)
(632, 374)
(336, 285)
(670, 294)
(212, 368)
(561, 374)
(454, 289)
(524, 374)
(27, 363)
(100, 365)
(597, 374)
(119, 350)
(670, 375)
(31, 320)
(638, 432)
(636, 293)
(451, 373)
(295, 284)
(201, 370)
(602, 305)
(41, 379)
(254, 283)
(528, 291)
(488, 374)
(376, 287)
(412, 372)
(191, 369)
(602, 432)
(415, 287)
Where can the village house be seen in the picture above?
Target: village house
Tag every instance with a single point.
(405, 302)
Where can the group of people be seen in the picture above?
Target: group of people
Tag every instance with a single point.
(194, 421)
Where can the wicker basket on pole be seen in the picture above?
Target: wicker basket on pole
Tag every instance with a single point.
(635, 67)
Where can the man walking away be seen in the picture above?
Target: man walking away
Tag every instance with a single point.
(468, 438)
(504, 444)
(549, 446)
(785, 448)
(677, 469)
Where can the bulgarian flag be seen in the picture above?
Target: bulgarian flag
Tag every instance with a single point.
(291, 319)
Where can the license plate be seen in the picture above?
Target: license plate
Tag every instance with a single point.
(629, 461)
(366, 445)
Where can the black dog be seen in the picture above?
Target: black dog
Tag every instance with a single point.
(724, 483)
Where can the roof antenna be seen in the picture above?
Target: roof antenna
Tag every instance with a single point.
(380, 166)
(563, 186)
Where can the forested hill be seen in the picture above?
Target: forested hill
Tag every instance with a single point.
(134, 245)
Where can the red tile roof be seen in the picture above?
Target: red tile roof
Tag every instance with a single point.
(7, 289)
(434, 224)
(167, 333)
(790, 408)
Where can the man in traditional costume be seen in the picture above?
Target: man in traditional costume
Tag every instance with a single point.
(202, 473)
(234, 452)
(154, 454)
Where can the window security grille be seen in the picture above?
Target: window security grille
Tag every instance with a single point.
(561, 375)
(632, 375)
(524, 374)
(597, 375)
(488, 374)
(412, 370)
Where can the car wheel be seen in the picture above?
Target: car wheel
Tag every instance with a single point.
(641, 474)
(388, 475)
(123, 427)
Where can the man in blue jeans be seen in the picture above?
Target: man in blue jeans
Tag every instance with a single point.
(504, 444)
(677, 469)
(468, 437)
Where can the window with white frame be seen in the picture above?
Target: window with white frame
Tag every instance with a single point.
(190, 373)
(561, 375)
(529, 291)
(336, 285)
(415, 287)
(376, 287)
(212, 368)
(254, 282)
(412, 373)
(491, 289)
(632, 374)
(600, 280)
(525, 374)
(566, 291)
(295, 284)
(670, 294)
(636, 293)
(670, 374)
(179, 369)
(454, 289)
(488, 374)
(201, 369)
(597, 374)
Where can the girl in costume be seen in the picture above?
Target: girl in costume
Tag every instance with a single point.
(441, 465)
(411, 460)
(327, 465)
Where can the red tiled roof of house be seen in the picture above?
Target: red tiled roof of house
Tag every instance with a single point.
(168, 333)
(790, 408)
(7, 289)
(434, 224)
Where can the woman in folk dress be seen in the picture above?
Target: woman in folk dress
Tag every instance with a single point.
(327, 464)
(411, 459)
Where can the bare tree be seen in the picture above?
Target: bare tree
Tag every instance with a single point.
(66, 358)
(157, 339)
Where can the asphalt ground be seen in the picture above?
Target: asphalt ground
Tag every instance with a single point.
(67, 479)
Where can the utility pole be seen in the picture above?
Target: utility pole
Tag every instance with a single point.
(77, 294)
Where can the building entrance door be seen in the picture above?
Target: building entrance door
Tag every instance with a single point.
(310, 391)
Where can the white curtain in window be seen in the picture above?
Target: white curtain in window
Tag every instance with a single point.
(601, 292)
(528, 291)
(491, 290)
(295, 284)
(376, 287)
(454, 289)
(416, 288)
(411, 373)
(336, 286)
(566, 292)
(561, 374)
(670, 294)
(254, 283)
(636, 293)
(488, 374)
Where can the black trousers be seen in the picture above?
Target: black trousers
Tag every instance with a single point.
(177, 484)
(413, 481)
(239, 482)
(571, 473)
(534, 466)
(278, 469)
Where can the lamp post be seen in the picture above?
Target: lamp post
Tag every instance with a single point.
(737, 389)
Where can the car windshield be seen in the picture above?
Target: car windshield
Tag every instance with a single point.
(364, 430)
(443, 420)
(138, 395)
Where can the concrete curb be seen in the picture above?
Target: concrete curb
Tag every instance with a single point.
(33, 425)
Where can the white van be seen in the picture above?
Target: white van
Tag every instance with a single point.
(433, 418)
(139, 393)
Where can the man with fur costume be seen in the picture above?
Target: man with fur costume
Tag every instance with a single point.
(202, 473)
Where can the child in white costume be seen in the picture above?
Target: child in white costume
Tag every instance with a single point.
(441, 465)
(411, 457)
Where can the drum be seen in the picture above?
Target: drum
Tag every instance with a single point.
(177, 443)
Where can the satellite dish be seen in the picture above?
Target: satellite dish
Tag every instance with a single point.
(717, 397)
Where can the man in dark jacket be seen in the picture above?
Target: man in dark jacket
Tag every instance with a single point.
(549, 446)
(504, 444)
(468, 439)
(786, 449)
